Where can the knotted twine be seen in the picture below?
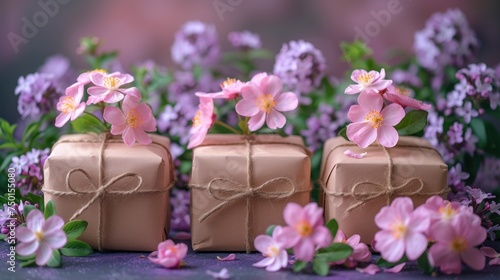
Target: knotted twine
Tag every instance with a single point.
(388, 190)
(101, 187)
(227, 190)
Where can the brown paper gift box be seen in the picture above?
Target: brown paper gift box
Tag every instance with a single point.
(280, 173)
(356, 189)
(134, 215)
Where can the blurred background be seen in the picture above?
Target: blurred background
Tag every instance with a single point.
(145, 29)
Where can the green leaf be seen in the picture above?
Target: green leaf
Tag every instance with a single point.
(299, 266)
(25, 258)
(88, 123)
(28, 209)
(414, 122)
(343, 133)
(3, 236)
(76, 248)
(34, 199)
(333, 227)
(334, 252)
(74, 229)
(270, 230)
(383, 263)
(55, 259)
(321, 267)
(50, 210)
(29, 263)
(424, 264)
(479, 130)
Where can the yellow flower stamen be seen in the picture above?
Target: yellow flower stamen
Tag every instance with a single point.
(447, 211)
(266, 102)
(403, 91)
(68, 105)
(227, 82)
(365, 79)
(398, 229)
(111, 82)
(39, 235)
(376, 118)
(459, 244)
(99, 70)
(272, 251)
(133, 118)
(303, 228)
(197, 119)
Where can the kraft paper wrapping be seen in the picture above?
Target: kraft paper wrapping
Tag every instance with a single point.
(414, 162)
(133, 221)
(225, 157)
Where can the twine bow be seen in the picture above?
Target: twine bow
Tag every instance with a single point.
(388, 190)
(228, 191)
(100, 189)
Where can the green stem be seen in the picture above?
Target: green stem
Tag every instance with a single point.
(225, 125)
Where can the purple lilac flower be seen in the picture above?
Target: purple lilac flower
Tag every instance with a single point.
(495, 207)
(182, 90)
(180, 220)
(244, 40)
(455, 133)
(60, 68)
(301, 67)
(38, 95)
(456, 178)
(408, 77)
(174, 121)
(478, 195)
(491, 232)
(446, 39)
(467, 112)
(488, 176)
(470, 141)
(196, 43)
(4, 214)
(29, 170)
(434, 127)
(15, 216)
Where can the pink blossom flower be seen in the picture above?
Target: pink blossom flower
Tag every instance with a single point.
(40, 236)
(231, 88)
(352, 154)
(84, 78)
(402, 231)
(305, 231)
(202, 122)
(133, 122)
(107, 87)
(69, 105)
(492, 254)
(371, 122)
(372, 81)
(401, 96)
(371, 269)
(273, 250)
(169, 254)
(230, 257)
(456, 241)
(360, 253)
(263, 101)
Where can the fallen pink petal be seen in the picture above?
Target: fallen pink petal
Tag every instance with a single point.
(396, 269)
(371, 269)
(223, 274)
(230, 257)
(352, 154)
(489, 252)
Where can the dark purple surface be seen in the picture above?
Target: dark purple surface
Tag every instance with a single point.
(135, 265)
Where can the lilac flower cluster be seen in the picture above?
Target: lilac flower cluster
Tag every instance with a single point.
(196, 43)
(324, 124)
(488, 176)
(477, 85)
(447, 39)
(244, 40)
(408, 77)
(180, 210)
(12, 216)
(40, 91)
(29, 170)
(301, 67)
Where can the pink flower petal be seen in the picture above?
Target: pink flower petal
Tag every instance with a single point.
(275, 119)
(43, 254)
(132, 93)
(394, 252)
(352, 154)
(54, 223)
(271, 85)
(261, 242)
(223, 274)
(287, 101)
(363, 133)
(247, 108)
(438, 254)
(495, 261)
(128, 136)
(23, 234)
(56, 239)
(141, 136)
(257, 79)
(416, 243)
(381, 84)
(356, 73)
(98, 91)
(487, 252)
(370, 102)
(356, 114)
(264, 262)
(292, 214)
(393, 114)
(230, 257)
(304, 250)
(27, 248)
(353, 89)
(473, 258)
(62, 119)
(113, 97)
(97, 78)
(251, 92)
(35, 220)
(321, 236)
(113, 115)
(257, 121)
(395, 269)
(387, 136)
(371, 269)
(78, 111)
